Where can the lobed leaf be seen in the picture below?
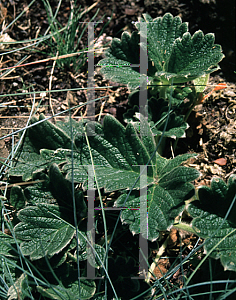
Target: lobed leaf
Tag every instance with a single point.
(194, 57)
(39, 192)
(157, 112)
(174, 55)
(118, 152)
(88, 254)
(17, 198)
(122, 62)
(113, 146)
(20, 289)
(214, 222)
(86, 290)
(43, 231)
(165, 199)
(162, 33)
(7, 244)
(47, 135)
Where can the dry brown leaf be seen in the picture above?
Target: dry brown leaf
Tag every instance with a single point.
(71, 99)
(3, 149)
(3, 13)
(173, 237)
(161, 268)
(5, 38)
(220, 161)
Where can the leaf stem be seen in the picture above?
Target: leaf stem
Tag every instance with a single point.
(155, 262)
(163, 90)
(186, 118)
(101, 203)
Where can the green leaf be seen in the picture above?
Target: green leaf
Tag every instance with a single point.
(47, 135)
(157, 114)
(17, 198)
(29, 161)
(61, 189)
(162, 33)
(117, 153)
(73, 292)
(122, 271)
(193, 57)
(120, 57)
(43, 231)
(91, 254)
(9, 259)
(165, 199)
(158, 110)
(54, 262)
(100, 297)
(113, 146)
(55, 189)
(209, 220)
(7, 244)
(40, 192)
(174, 55)
(126, 49)
(70, 287)
(200, 83)
(92, 257)
(175, 129)
(20, 288)
(44, 135)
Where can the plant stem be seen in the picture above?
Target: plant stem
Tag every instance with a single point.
(186, 118)
(161, 148)
(162, 94)
(163, 91)
(155, 263)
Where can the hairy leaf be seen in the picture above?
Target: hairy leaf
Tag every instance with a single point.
(214, 222)
(122, 62)
(117, 151)
(46, 265)
(40, 192)
(7, 244)
(47, 135)
(43, 231)
(164, 200)
(70, 287)
(157, 112)
(20, 289)
(88, 253)
(85, 290)
(9, 259)
(17, 198)
(162, 33)
(175, 55)
(193, 57)
(118, 154)
(61, 189)
(29, 161)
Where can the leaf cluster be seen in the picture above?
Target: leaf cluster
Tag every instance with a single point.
(163, 57)
(174, 56)
(46, 224)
